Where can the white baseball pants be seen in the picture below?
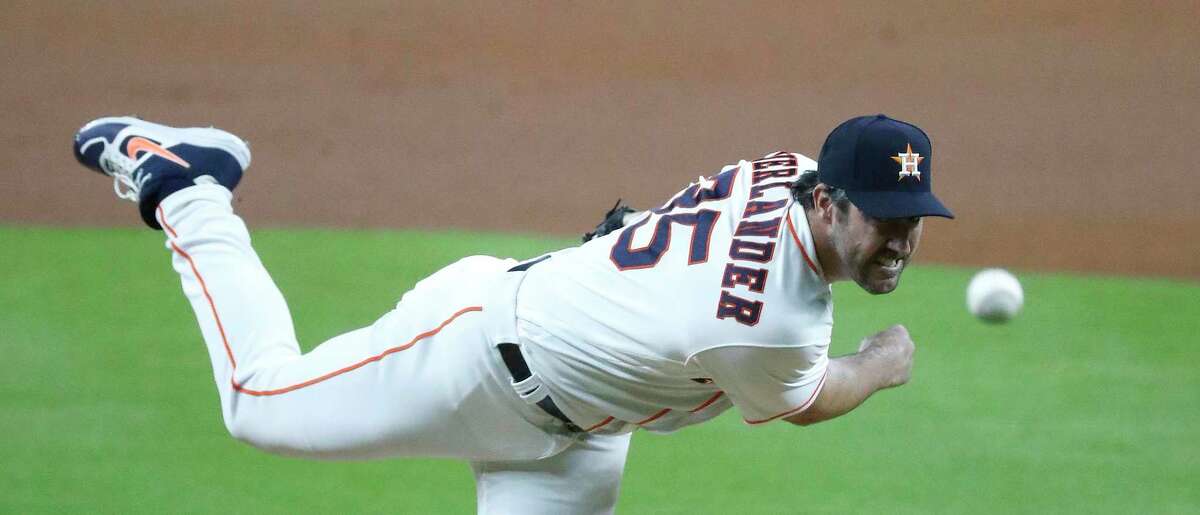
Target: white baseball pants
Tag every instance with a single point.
(424, 380)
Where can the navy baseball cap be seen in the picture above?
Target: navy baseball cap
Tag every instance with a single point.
(883, 165)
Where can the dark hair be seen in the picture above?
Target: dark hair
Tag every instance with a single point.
(803, 188)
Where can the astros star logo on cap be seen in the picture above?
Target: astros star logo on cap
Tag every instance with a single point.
(908, 163)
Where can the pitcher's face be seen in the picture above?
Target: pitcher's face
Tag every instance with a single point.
(874, 252)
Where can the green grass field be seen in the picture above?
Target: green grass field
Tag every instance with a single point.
(1087, 403)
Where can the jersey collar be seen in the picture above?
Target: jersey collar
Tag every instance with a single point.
(801, 235)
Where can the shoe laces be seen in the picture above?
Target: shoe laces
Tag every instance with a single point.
(128, 176)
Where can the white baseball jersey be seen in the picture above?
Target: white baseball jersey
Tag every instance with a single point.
(712, 300)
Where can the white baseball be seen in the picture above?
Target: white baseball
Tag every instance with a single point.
(994, 295)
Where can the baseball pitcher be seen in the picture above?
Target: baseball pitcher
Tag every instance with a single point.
(537, 372)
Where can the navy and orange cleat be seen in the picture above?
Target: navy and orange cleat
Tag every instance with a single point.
(148, 161)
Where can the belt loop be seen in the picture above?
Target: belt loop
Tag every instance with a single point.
(530, 389)
(528, 385)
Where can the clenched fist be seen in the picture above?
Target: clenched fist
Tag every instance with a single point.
(893, 347)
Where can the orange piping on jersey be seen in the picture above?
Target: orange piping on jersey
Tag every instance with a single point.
(211, 305)
(796, 238)
(371, 359)
(229, 352)
(162, 218)
(600, 425)
(708, 402)
(654, 417)
(802, 407)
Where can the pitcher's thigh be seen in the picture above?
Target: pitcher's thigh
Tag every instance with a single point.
(411, 385)
(583, 479)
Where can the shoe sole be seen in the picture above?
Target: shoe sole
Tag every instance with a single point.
(208, 137)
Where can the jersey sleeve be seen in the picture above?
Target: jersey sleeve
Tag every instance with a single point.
(767, 383)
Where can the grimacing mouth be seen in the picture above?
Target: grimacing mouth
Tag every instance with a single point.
(891, 264)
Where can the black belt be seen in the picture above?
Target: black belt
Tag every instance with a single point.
(526, 265)
(511, 353)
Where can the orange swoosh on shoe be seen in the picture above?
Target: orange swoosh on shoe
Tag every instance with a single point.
(140, 144)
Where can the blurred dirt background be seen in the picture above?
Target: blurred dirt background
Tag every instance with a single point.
(1064, 136)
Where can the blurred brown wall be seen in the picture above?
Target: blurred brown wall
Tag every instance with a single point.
(1064, 134)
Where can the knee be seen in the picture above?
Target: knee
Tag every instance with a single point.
(249, 429)
(270, 433)
(242, 429)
